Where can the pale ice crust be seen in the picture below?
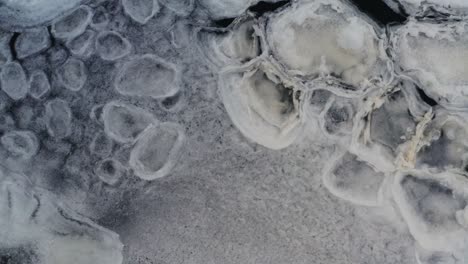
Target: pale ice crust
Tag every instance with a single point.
(443, 75)
(201, 131)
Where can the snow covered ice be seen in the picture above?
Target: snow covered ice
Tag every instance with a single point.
(233, 131)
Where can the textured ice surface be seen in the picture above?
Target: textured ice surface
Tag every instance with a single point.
(201, 131)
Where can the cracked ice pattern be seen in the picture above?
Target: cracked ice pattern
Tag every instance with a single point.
(202, 131)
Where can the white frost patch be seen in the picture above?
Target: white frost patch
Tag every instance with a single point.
(436, 56)
(313, 38)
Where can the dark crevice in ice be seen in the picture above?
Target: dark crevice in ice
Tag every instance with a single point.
(12, 46)
(428, 100)
(379, 11)
(223, 23)
(52, 40)
(263, 7)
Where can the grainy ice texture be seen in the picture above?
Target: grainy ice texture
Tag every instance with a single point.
(233, 131)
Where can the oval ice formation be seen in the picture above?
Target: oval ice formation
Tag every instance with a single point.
(336, 119)
(29, 216)
(32, 42)
(73, 24)
(58, 117)
(157, 150)
(442, 75)
(354, 180)
(13, 81)
(110, 171)
(430, 203)
(22, 144)
(82, 45)
(39, 85)
(124, 122)
(264, 107)
(72, 74)
(148, 75)
(112, 46)
(141, 11)
(57, 56)
(23, 14)
(100, 18)
(314, 38)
